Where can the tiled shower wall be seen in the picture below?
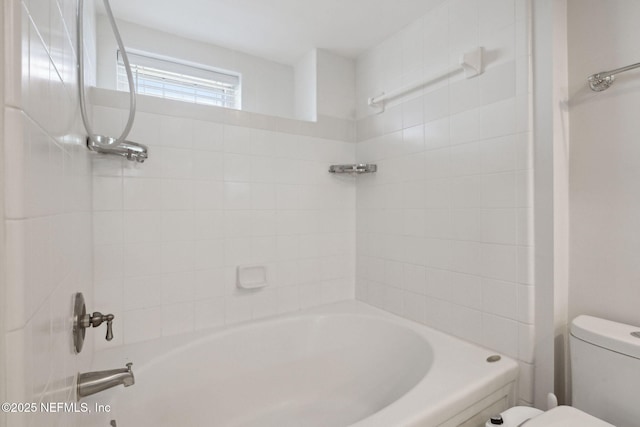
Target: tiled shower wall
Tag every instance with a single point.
(221, 188)
(444, 229)
(47, 206)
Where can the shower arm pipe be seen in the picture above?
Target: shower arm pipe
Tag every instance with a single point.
(127, 66)
(604, 79)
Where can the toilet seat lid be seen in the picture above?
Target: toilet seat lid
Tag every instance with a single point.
(566, 416)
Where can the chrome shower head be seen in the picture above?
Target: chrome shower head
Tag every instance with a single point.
(127, 149)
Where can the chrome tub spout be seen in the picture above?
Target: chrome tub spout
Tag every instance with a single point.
(94, 382)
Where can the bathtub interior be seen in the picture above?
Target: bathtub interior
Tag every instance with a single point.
(307, 371)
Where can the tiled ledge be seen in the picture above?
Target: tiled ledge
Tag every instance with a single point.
(326, 127)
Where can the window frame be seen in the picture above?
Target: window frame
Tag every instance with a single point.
(191, 73)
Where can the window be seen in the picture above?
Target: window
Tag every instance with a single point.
(183, 82)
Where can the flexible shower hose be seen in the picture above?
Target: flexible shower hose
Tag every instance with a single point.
(127, 66)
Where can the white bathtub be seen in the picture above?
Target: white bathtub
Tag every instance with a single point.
(346, 364)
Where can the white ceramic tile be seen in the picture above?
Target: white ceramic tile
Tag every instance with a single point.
(412, 112)
(107, 193)
(209, 283)
(208, 254)
(237, 167)
(413, 139)
(465, 159)
(208, 224)
(142, 292)
(107, 262)
(142, 194)
(177, 287)
(177, 318)
(464, 126)
(466, 290)
(466, 323)
(466, 224)
(526, 304)
(464, 95)
(178, 225)
(176, 194)
(141, 259)
(288, 299)
(502, 46)
(525, 265)
(208, 195)
(237, 139)
(208, 136)
(142, 226)
(237, 251)
(177, 257)
(466, 257)
(146, 129)
(437, 164)
(496, 14)
(463, 25)
(499, 190)
(498, 83)
(500, 334)
(176, 163)
(262, 169)
(500, 298)
(237, 195)
(237, 309)
(208, 313)
(499, 262)
(499, 225)
(137, 327)
(176, 132)
(471, 189)
(108, 227)
(437, 133)
(263, 196)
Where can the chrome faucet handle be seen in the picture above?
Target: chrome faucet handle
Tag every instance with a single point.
(96, 320)
(109, 336)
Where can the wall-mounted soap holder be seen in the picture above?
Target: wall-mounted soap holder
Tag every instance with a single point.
(353, 169)
(252, 276)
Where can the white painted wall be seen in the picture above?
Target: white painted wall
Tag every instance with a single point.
(324, 86)
(444, 228)
(221, 189)
(47, 207)
(267, 86)
(336, 85)
(306, 84)
(605, 162)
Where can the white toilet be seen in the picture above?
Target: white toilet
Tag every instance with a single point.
(605, 372)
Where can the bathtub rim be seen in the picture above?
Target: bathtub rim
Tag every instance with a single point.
(408, 410)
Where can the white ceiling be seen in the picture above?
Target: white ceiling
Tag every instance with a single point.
(280, 30)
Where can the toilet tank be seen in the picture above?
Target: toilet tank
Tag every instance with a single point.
(605, 370)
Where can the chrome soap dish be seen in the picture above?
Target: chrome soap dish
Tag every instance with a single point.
(354, 169)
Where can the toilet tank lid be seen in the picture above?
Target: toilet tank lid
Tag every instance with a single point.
(611, 335)
(565, 416)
